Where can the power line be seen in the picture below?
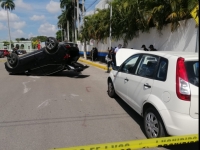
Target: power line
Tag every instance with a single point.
(91, 4)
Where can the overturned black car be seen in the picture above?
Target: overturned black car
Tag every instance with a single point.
(54, 57)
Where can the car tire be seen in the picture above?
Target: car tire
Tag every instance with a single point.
(153, 124)
(12, 59)
(51, 45)
(111, 89)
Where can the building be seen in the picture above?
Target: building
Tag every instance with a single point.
(26, 45)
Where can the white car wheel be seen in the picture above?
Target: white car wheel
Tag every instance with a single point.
(153, 124)
(111, 89)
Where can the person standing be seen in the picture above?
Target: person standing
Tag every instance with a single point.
(109, 60)
(144, 48)
(117, 48)
(38, 45)
(152, 48)
(113, 57)
(15, 50)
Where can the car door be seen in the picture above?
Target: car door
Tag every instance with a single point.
(122, 76)
(141, 81)
(50, 63)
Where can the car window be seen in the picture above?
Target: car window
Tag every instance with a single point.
(147, 66)
(162, 70)
(192, 68)
(129, 65)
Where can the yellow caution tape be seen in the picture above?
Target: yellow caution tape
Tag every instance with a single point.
(139, 144)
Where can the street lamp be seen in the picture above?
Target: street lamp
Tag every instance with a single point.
(110, 32)
(110, 25)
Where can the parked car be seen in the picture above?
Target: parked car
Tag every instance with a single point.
(4, 53)
(1, 54)
(160, 86)
(54, 57)
(21, 52)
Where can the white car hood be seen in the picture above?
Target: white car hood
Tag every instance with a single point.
(124, 53)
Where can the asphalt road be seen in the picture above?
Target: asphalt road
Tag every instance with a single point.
(63, 110)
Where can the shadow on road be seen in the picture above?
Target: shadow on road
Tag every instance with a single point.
(71, 74)
(139, 120)
(132, 113)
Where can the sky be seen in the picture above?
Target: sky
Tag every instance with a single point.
(32, 18)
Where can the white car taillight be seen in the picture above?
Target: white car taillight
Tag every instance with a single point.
(182, 84)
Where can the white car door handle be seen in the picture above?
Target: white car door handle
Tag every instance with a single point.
(147, 85)
(126, 79)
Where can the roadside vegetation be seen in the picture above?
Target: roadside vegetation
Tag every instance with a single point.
(128, 17)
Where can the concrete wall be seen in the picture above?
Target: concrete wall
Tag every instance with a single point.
(184, 39)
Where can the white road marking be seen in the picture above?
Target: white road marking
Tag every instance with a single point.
(35, 77)
(44, 104)
(25, 87)
(74, 95)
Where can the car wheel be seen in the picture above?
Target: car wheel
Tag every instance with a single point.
(111, 90)
(153, 124)
(12, 59)
(51, 45)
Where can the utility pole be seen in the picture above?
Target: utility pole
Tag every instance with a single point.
(110, 25)
(75, 22)
(77, 15)
(84, 44)
(67, 30)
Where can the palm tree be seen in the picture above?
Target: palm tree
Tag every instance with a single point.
(8, 5)
(70, 12)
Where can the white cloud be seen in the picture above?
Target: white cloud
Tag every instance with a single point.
(31, 35)
(36, 18)
(12, 17)
(18, 25)
(89, 13)
(17, 34)
(21, 4)
(47, 29)
(53, 7)
(2, 26)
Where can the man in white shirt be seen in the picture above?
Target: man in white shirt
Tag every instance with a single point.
(117, 48)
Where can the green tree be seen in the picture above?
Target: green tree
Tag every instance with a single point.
(131, 16)
(58, 35)
(8, 5)
(6, 43)
(69, 14)
(17, 39)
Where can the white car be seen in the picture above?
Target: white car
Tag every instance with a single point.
(160, 86)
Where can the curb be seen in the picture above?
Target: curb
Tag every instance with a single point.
(102, 66)
(2, 60)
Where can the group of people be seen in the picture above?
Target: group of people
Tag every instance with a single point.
(151, 48)
(94, 53)
(110, 57)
